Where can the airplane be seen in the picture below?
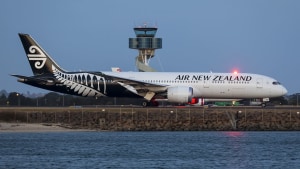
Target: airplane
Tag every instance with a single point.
(174, 87)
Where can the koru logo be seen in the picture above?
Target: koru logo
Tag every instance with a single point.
(38, 56)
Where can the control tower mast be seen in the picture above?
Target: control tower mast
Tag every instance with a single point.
(146, 44)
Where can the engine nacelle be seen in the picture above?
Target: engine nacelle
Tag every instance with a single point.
(180, 94)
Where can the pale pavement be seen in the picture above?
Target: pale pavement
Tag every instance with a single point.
(34, 127)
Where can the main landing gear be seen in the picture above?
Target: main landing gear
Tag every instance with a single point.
(151, 103)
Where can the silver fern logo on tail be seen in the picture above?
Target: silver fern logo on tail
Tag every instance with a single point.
(38, 56)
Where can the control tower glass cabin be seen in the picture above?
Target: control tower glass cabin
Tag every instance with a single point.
(145, 43)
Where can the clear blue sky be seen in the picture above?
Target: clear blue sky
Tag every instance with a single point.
(254, 36)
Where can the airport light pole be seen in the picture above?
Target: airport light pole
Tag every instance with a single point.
(63, 101)
(297, 99)
(18, 95)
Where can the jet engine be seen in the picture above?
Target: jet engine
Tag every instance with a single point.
(180, 94)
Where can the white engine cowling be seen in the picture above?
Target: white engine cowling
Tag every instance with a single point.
(180, 94)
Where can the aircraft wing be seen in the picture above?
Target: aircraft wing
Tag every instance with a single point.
(144, 89)
(134, 82)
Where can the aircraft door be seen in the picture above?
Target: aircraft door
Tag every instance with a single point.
(259, 83)
(206, 83)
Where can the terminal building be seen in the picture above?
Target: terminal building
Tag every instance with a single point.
(146, 43)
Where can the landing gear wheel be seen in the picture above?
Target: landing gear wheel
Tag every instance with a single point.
(144, 104)
(151, 103)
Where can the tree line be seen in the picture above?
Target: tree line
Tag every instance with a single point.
(53, 99)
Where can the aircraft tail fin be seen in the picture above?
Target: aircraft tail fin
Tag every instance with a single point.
(40, 61)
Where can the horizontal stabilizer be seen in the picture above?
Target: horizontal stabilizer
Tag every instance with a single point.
(25, 79)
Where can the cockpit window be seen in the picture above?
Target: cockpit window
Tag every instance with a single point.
(276, 83)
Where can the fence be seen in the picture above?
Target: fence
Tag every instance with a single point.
(159, 119)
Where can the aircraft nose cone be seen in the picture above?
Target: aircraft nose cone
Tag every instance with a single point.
(284, 91)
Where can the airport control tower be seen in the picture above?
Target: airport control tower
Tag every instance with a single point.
(146, 44)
